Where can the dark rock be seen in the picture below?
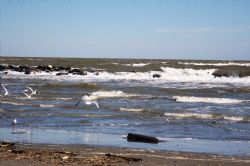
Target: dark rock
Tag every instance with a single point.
(27, 71)
(13, 68)
(156, 75)
(24, 68)
(76, 72)
(67, 68)
(244, 73)
(60, 74)
(56, 69)
(61, 68)
(220, 73)
(2, 68)
(141, 138)
(44, 68)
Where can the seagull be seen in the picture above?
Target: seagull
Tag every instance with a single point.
(14, 121)
(6, 91)
(33, 92)
(87, 101)
(29, 96)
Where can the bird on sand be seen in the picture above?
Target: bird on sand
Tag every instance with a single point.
(87, 100)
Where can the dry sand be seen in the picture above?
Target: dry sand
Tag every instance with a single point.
(40, 154)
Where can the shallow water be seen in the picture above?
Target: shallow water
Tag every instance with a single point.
(187, 105)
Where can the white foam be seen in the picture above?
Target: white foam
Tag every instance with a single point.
(108, 94)
(204, 116)
(46, 105)
(190, 115)
(166, 75)
(63, 98)
(187, 74)
(131, 109)
(137, 64)
(192, 99)
(232, 118)
(13, 103)
(215, 64)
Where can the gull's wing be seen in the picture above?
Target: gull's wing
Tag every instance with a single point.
(97, 105)
(6, 91)
(30, 88)
(78, 102)
(29, 96)
(34, 92)
(92, 102)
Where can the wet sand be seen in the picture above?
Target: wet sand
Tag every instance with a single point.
(45, 154)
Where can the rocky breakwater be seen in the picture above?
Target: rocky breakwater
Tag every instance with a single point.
(61, 70)
(231, 73)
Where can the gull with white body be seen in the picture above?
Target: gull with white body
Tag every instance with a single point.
(5, 90)
(33, 92)
(87, 100)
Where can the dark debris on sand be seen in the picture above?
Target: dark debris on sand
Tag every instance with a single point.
(14, 154)
(10, 153)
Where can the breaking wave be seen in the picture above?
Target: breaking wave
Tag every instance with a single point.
(204, 116)
(192, 99)
(46, 105)
(109, 94)
(137, 64)
(167, 74)
(215, 64)
(13, 103)
(131, 109)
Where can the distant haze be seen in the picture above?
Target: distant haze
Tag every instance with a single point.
(158, 29)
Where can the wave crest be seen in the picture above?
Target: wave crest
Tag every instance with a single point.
(131, 109)
(204, 116)
(109, 94)
(192, 99)
(215, 64)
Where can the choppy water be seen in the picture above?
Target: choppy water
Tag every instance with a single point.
(187, 106)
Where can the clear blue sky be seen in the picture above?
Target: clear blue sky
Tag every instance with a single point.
(169, 29)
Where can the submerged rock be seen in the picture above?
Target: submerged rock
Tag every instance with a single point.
(2, 68)
(231, 73)
(60, 74)
(27, 71)
(220, 73)
(156, 75)
(76, 72)
(141, 138)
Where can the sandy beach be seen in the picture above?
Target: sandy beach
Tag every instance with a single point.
(47, 154)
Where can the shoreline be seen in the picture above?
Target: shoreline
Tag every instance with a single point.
(52, 154)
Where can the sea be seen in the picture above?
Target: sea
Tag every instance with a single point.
(181, 102)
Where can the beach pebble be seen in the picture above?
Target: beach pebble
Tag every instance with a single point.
(65, 157)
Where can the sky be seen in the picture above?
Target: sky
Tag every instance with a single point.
(156, 29)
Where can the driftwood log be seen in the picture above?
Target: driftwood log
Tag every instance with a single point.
(141, 138)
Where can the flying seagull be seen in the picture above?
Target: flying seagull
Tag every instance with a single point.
(6, 91)
(33, 92)
(87, 101)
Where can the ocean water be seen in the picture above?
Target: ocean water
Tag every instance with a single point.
(187, 108)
